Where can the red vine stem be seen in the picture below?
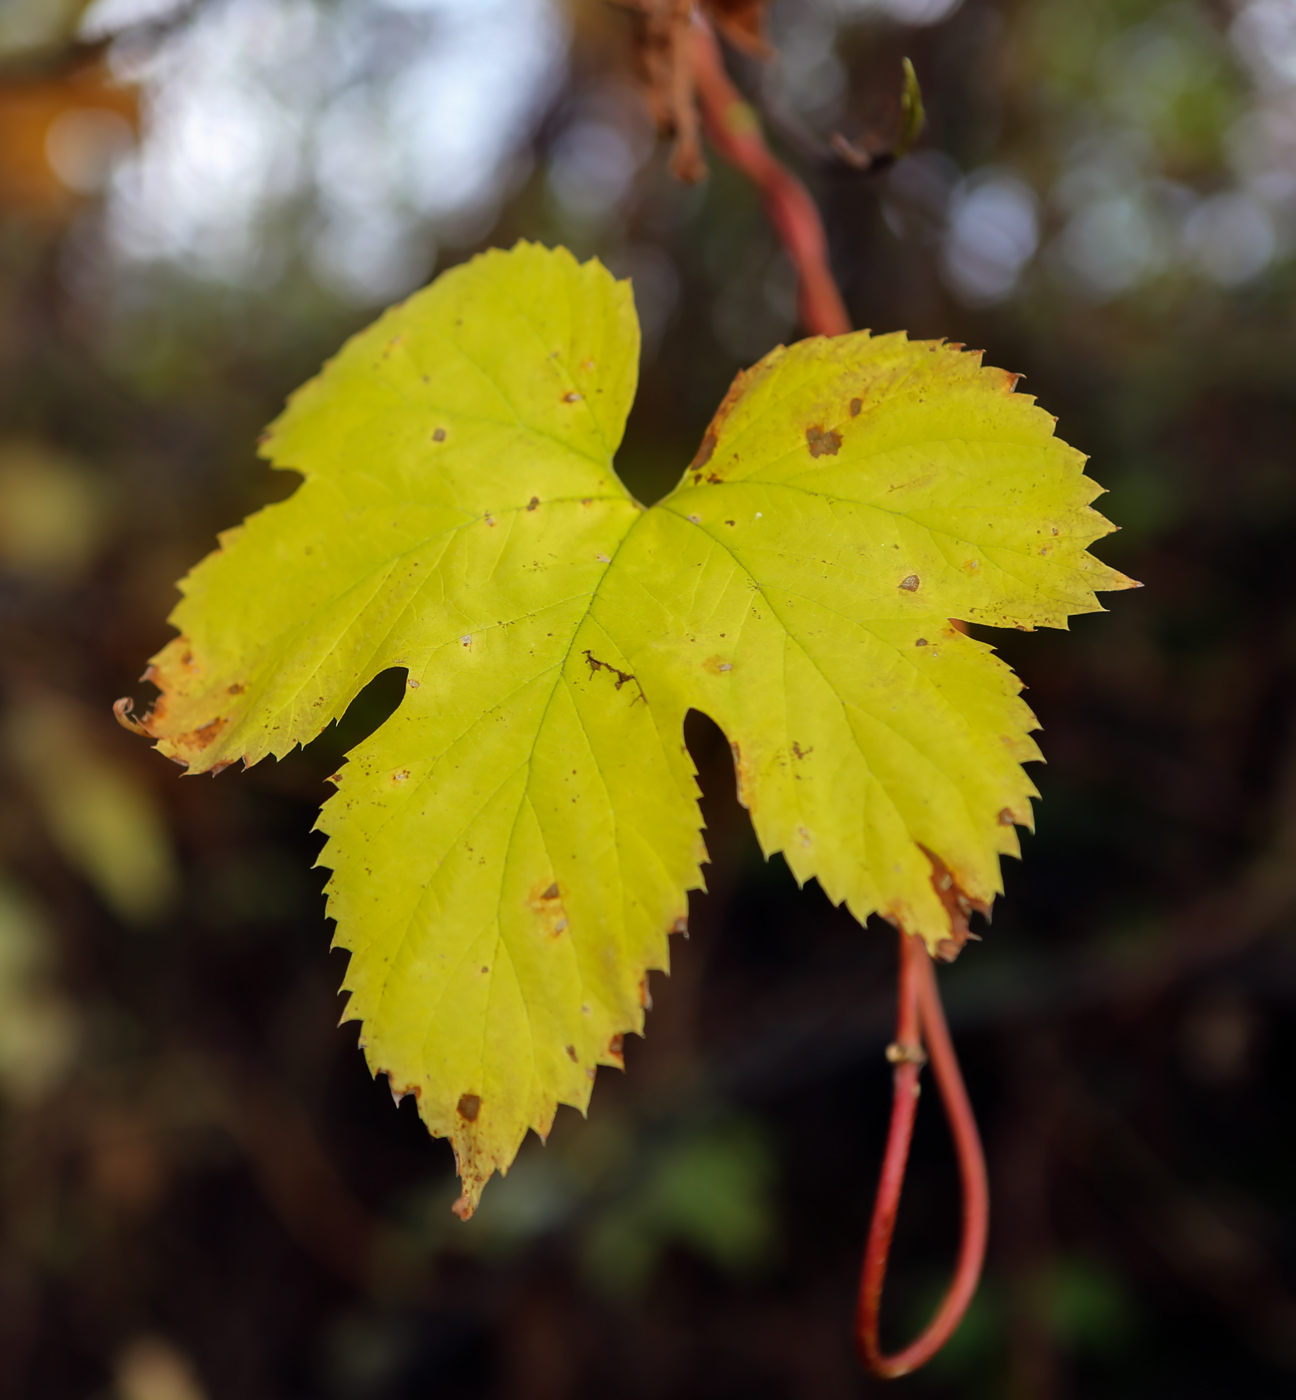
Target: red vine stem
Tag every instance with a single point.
(919, 1009)
(734, 130)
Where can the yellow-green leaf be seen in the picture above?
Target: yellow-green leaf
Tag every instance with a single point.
(512, 847)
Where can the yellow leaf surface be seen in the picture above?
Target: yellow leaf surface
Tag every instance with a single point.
(512, 847)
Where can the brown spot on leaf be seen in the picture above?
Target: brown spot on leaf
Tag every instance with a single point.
(190, 744)
(855, 406)
(823, 443)
(921, 642)
(571, 1055)
(1006, 817)
(533, 502)
(545, 902)
(571, 396)
(439, 435)
(397, 1092)
(717, 665)
(799, 752)
(236, 689)
(703, 455)
(622, 677)
(206, 734)
(616, 1047)
(910, 584)
(743, 381)
(958, 905)
(469, 1107)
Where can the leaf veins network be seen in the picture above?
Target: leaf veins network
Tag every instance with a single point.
(512, 847)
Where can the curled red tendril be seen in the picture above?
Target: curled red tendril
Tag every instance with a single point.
(920, 1017)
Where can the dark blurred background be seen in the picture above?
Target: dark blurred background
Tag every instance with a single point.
(203, 1195)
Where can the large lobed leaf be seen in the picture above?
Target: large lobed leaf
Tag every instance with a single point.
(512, 847)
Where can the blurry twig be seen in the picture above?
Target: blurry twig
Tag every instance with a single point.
(682, 71)
(734, 129)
